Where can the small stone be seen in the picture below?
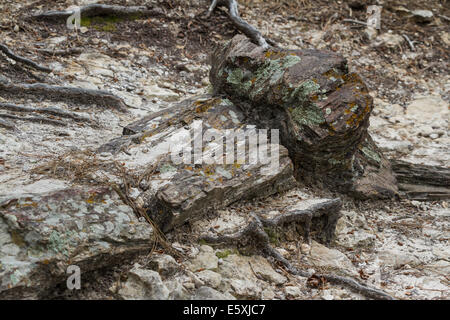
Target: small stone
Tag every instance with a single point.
(164, 264)
(422, 16)
(84, 29)
(210, 278)
(16, 28)
(206, 259)
(267, 294)
(305, 248)
(143, 284)
(293, 291)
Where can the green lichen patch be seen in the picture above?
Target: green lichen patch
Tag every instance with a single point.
(371, 154)
(308, 115)
(106, 23)
(225, 253)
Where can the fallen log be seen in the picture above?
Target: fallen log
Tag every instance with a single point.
(422, 182)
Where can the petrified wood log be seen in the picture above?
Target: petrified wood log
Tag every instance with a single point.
(321, 110)
(173, 192)
(422, 182)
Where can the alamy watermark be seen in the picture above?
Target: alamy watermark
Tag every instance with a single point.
(248, 146)
(74, 20)
(74, 280)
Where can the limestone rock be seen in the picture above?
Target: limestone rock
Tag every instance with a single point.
(143, 284)
(206, 259)
(42, 234)
(207, 293)
(324, 257)
(210, 278)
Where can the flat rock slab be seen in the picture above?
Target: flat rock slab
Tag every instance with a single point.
(41, 234)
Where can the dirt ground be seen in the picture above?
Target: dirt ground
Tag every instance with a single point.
(174, 47)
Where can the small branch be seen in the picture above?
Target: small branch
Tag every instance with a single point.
(444, 17)
(411, 43)
(355, 21)
(23, 60)
(241, 24)
(59, 93)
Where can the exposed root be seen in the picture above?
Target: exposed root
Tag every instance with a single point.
(63, 52)
(96, 9)
(67, 94)
(330, 209)
(255, 235)
(36, 118)
(49, 110)
(241, 24)
(23, 60)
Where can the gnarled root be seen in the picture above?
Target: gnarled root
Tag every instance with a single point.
(60, 93)
(255, 235)
(28, 62)
(240, 23)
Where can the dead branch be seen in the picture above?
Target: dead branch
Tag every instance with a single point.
(23, 60)
(241, 24)
(67, 94)
(410, 43)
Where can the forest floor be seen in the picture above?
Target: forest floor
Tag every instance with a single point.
(401, 247)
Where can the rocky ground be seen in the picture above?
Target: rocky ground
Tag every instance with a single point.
(398, 246)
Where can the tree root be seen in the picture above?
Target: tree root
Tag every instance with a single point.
(49, 110)
(330, 209)
(67, 94)
(37, 119)
(255, 235)
(63, 52)
(23, 60)
(96, 9)
(241, 24)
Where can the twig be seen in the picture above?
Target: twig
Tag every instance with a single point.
(355, 21)
(444, 17)
(411, 43)
(241, 24)
(23, 60)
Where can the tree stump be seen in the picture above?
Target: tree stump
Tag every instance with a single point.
(321, 110)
